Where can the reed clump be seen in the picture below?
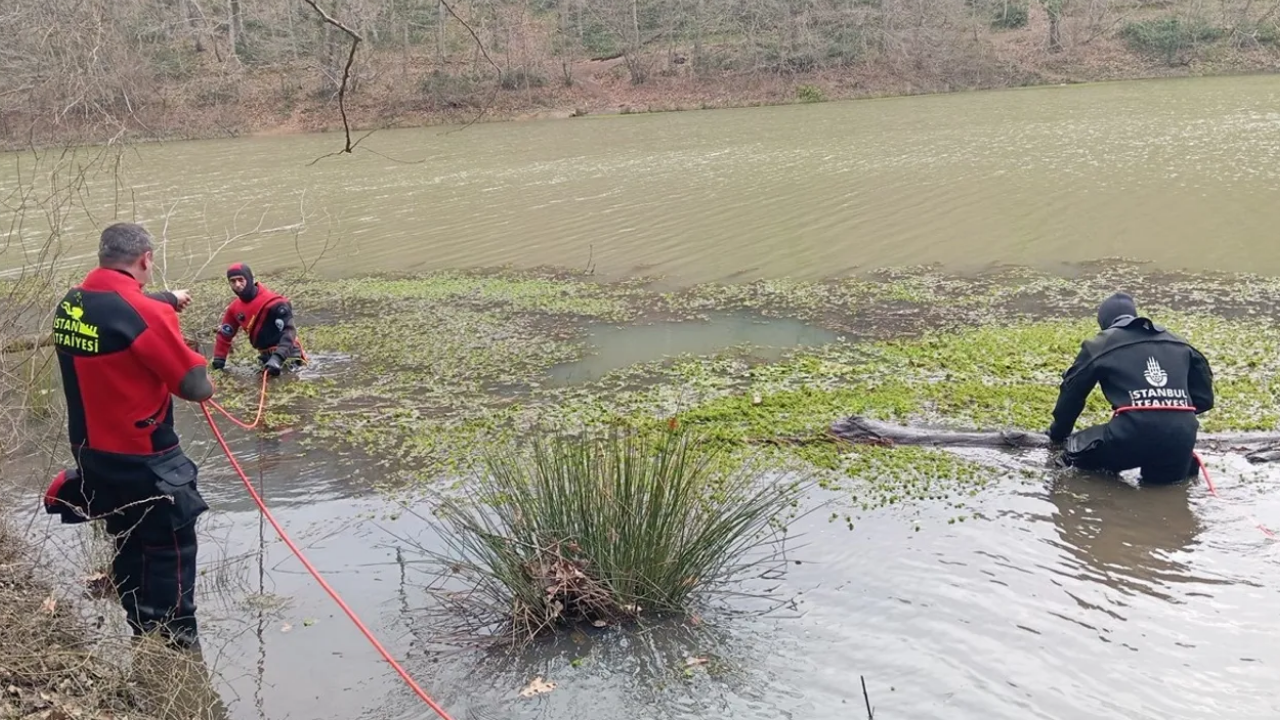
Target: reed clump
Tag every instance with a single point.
(601, 530)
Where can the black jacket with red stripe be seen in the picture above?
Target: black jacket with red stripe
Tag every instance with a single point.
(1137, 363)
(122, 358)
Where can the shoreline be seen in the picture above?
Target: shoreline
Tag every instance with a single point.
(324, 118)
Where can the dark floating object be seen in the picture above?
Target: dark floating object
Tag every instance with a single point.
(1258, 447)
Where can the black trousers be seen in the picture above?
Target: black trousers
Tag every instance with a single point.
(1160, 444)
(154, 571)
(149, 505)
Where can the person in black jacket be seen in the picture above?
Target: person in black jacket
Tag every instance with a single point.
(1155, 381)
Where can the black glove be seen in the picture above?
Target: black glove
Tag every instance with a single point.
(274, 364)
(219, 363)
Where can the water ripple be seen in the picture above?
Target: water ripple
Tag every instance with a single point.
(1045, 175)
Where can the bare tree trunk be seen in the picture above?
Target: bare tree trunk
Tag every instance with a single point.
(1260, 447)
(440, 26)
(475, 55)
(189, 9)
(508, 46)
(697, 35)
(635, 63)
(1054, 9)
(293, 36)
(635, 24)
(562, 44)
(233, 27)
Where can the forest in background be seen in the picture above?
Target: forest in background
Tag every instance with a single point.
(92, 70)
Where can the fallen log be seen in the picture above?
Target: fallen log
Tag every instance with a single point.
(1258, 447)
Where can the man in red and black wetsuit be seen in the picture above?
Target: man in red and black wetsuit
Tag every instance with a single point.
(265, 316)
(122, 358)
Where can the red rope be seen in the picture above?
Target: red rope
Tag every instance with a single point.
(262, 404)
(1203, 469)
(315, 573)
(262, 396)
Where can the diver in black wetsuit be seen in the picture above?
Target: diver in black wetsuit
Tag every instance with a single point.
(1155, 380)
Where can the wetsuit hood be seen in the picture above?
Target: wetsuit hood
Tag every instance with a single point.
(251, 285)
(1117, 307)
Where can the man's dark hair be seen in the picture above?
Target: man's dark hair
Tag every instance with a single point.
(123, 244)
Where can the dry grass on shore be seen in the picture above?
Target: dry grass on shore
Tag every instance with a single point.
(55, 665)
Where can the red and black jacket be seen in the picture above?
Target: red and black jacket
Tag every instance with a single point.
(267, 319)
(122, 358)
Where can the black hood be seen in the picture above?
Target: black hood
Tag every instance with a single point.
(1115, 307)
(251, 285)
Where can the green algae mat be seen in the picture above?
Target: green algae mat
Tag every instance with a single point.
(420, 372)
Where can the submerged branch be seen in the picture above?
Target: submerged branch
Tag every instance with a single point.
(1258, 447)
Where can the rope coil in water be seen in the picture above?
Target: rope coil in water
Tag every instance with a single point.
(1203, 469)
(262, 404)
(244, 478)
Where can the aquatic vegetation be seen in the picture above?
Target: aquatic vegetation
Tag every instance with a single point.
(517, 291)
(603, 529)
(426, 372)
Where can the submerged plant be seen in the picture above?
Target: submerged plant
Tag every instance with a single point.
(576, 529)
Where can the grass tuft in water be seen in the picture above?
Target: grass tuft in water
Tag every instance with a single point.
(602, 530)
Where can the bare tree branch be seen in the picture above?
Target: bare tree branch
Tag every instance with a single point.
(350, 146)
(474, 35)
(346, 71)
(497, 70)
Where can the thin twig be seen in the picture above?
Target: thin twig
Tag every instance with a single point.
(231, 239)
(867, 699)
(116, 511)
(479, 44)
(346, 72)
(498, 70)
(164, 245)
(394, 160)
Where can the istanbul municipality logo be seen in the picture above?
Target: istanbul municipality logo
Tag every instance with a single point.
(1155, 374)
